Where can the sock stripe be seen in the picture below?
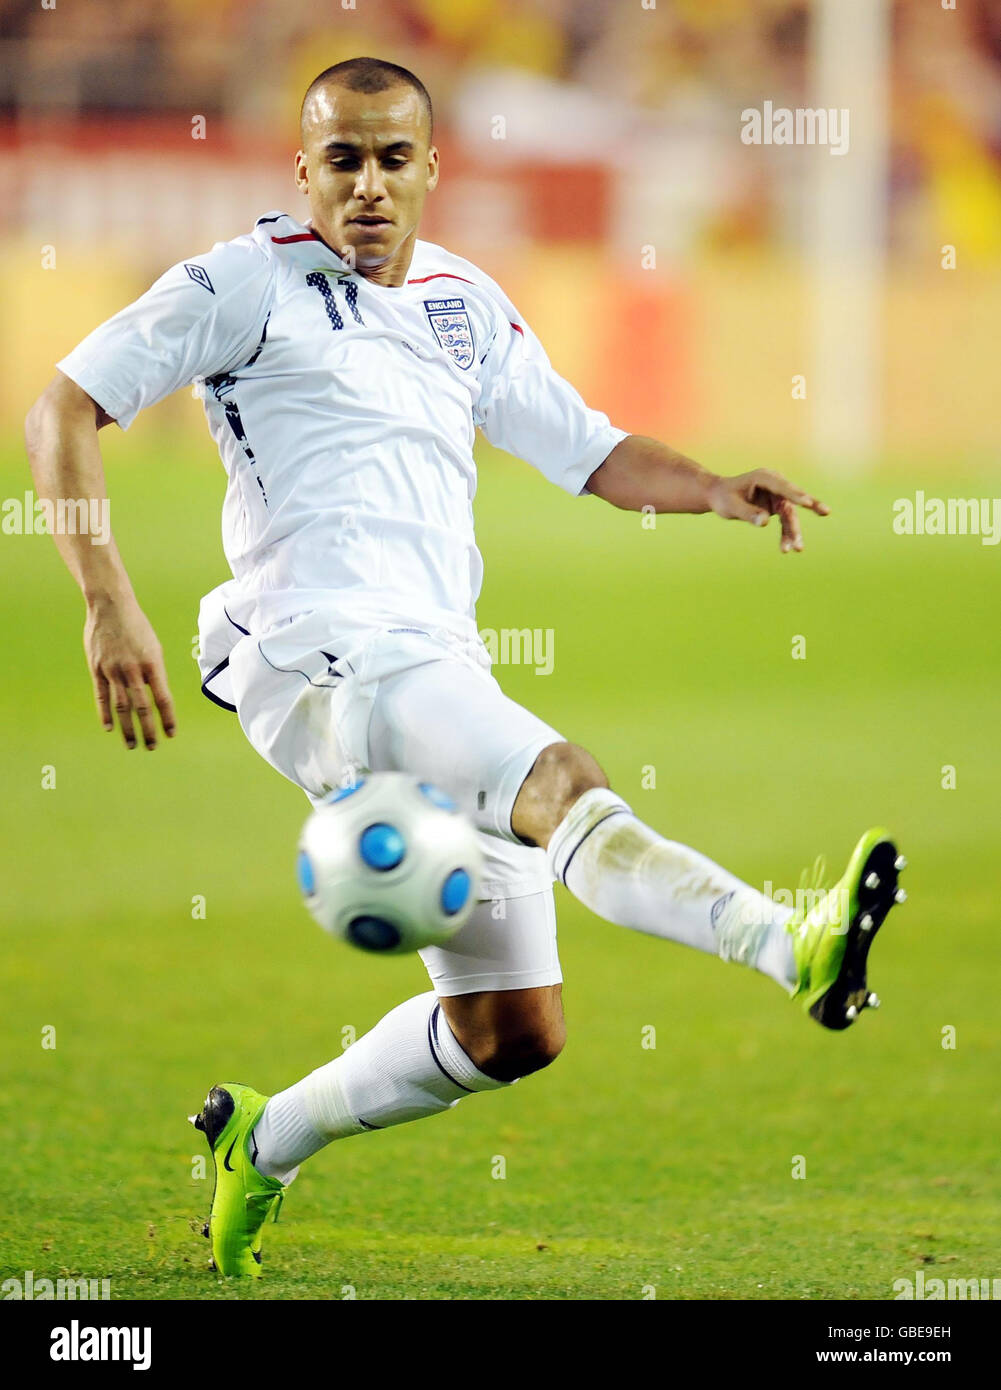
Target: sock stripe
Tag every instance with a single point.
(616, 811)
(432, 1026)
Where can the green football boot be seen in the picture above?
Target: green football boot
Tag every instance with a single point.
(832, 937)
(243, 1198)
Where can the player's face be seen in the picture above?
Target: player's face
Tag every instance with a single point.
(366, 166)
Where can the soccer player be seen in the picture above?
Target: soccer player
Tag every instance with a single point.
(344, 366)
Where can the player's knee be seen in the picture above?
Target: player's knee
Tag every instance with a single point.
(509, 1033)
(561, 774)
(511, 1054)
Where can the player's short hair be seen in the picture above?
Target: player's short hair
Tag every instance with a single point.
(371, 75)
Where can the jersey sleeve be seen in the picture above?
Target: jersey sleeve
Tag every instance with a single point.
(202, 316)
(529, 410)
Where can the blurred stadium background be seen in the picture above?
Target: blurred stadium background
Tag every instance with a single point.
(622, 135)
(627, 1168)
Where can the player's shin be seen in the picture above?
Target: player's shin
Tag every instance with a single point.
(627, 873)
(408, 1066)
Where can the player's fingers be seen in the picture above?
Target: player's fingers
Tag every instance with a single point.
(775, 482)
(741, 509)
(140, 700)
(123, 708)
(157, 678)
(102, 699)
(792, 537)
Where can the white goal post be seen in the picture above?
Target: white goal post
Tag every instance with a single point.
(845, 235)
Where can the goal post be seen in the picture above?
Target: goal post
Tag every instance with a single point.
(846, 232)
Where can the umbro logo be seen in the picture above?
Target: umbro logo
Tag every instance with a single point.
(200, 276)
(717, 909)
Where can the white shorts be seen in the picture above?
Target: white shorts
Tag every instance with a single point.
(320, 711)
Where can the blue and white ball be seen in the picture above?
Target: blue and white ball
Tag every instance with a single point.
(389, 864)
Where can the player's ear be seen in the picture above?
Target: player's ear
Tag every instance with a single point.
(432, 168)
(301, 172)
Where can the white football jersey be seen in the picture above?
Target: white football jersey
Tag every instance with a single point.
(344, 412)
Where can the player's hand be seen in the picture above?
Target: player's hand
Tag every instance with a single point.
(125, 658)
(761, 494)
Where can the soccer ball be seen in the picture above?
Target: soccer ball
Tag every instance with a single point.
(389, 864)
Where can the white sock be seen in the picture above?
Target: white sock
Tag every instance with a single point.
(409, 1065)
(630, 875)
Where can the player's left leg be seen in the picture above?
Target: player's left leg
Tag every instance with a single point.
(629, 874)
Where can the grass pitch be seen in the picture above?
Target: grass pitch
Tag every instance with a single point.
(629, 1168)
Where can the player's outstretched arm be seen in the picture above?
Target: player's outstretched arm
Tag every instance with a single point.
(642, 472)
(122, 649)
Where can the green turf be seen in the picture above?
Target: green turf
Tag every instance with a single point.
(626, 1167)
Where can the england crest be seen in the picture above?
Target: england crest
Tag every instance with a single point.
(452, 328)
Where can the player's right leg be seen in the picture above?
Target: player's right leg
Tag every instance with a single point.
(494, 1015)
(243, 1198)
(311, 723)
(496, 987)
